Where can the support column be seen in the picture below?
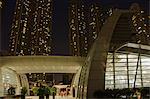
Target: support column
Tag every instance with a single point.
(1, 83)
(128, 71)
(114, 69)
(24, 82)
(75, 81)
(96, 76)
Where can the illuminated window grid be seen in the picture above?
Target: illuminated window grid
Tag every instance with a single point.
(124, 74)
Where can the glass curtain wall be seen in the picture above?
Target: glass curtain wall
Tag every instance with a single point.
(10, 79)
(121, 70)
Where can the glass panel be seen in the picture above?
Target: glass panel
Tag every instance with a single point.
(121, 73)
(146, 67)
(133, 60)
(121, 70)
(119, 86)
(109, 77)
(109, 82)
(119, 77)
(109, 73)
(120, 64)
(146, 84)
(109, 69)
(146, 80)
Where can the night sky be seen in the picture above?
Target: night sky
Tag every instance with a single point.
(60, 27)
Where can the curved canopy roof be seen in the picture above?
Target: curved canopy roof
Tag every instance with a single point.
(42, 64)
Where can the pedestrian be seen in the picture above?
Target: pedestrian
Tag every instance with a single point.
(73, 92)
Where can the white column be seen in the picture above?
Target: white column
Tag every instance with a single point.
(0, 4)
(1, 83)
(18, 87)
(24, 82)
(75, 81)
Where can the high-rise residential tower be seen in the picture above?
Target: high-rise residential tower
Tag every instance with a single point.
(141, 25)
(85, 22)
(77, 28)
(96, 18)
(31, 31)
(0, 24)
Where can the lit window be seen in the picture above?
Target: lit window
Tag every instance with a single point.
(97, 7)
(143, 18)
(135, 24)
(21, 51)
(92, 9)
(85, 48)
(73, 12)
(82, 14)
(23, 36)
(81, 32)
(24, 30)
(93, 19)
(133, 18)
(76, 49)
(140, 32)
(22, 43)
(134, 21)
(73, 28)
(79, 28)
(92, 23)
(32, 33)
(139, 28)
(142, 11)
(72, 21)
(73, 5)
(32, 53)
(75, 43)
(94, 32)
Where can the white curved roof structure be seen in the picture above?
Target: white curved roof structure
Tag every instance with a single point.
(42, 64)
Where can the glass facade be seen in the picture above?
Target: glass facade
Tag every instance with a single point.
(121, 69)
(10, 79)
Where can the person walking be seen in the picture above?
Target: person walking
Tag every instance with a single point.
(73, 92)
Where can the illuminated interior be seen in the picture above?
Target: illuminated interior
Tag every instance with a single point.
(10, 79)
(121, 70)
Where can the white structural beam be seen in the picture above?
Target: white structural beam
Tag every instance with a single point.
(40, 64)
(134, 45)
